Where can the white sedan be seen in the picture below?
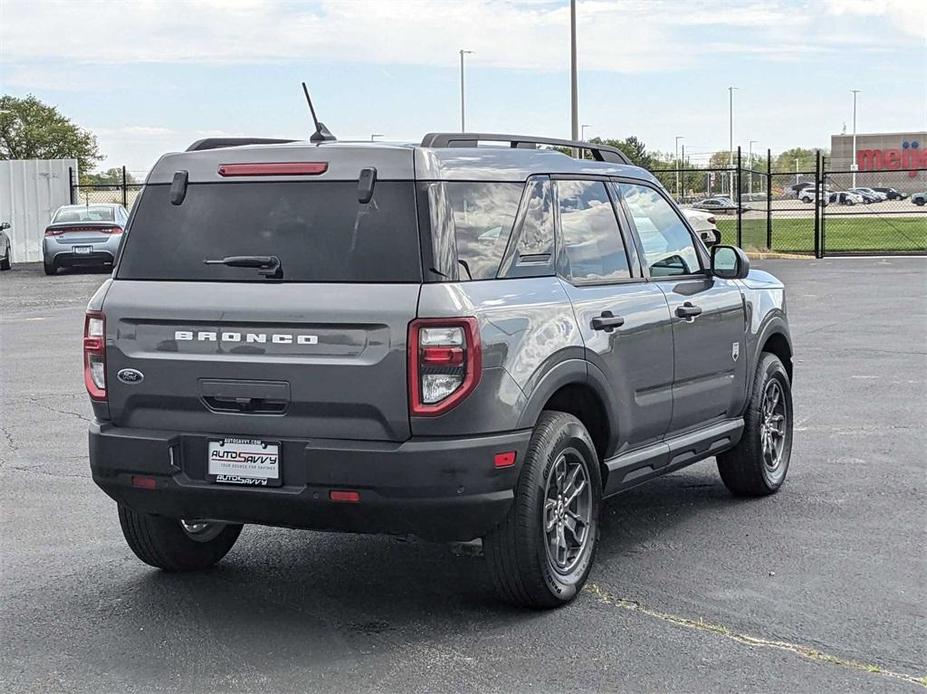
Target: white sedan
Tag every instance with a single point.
(704, 224)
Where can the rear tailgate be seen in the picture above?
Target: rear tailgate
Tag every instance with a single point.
(314, 348)
(288, 360)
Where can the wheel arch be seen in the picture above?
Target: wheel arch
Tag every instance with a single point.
(579, 388)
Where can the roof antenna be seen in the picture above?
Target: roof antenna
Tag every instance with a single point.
(321, 134)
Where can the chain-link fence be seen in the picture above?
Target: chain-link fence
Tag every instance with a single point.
(806, 212)
(869, 212)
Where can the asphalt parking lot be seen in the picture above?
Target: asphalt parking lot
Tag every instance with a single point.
(822, 587)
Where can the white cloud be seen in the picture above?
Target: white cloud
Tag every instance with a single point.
(630, 36)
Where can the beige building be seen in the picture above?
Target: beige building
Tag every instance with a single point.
(885, 155)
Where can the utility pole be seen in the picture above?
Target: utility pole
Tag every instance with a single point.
(676, 163)
(750, 166)
(853, 165)
(796, 170)
(574, 97)
(463, 102)
(730, 91)
(684, 167)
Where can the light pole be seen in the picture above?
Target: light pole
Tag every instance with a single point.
(730, 91)
(676, 163)
(374, 136)
(796, 170)
(574, 97)
(750, 166)
(463, 102)
(853, 165)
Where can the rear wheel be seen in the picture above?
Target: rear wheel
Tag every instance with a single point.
(50, 268)
(758, 464)
(541, 554)
(176, 545)
(5, 263)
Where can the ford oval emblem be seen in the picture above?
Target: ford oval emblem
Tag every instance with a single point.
(130, 376)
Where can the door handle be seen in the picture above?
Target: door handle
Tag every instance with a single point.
(607, 322)
(688, 310)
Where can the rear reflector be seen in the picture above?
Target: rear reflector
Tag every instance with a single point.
(289, 168)
(346, 495)
(143, 482)
(506, 459)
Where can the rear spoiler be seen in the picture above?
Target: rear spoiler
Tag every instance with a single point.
(217, 142)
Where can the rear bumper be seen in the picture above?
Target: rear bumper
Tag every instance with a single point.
(436, 488)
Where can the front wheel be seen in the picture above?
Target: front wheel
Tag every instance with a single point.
(757, 465)
(176, 545)
(541, 554)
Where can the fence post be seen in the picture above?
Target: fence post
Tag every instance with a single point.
(769, 199)
(71, 185)
(125, 190)
(739, 201)
(817, 204)
(823, 201)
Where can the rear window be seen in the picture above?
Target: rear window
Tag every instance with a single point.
(84, 214)
(319, 231)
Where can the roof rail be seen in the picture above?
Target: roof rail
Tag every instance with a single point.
(599, 152)
(217, 142)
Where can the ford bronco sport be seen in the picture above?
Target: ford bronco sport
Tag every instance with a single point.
(447, 339)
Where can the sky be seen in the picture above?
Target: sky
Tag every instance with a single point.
(152, 76)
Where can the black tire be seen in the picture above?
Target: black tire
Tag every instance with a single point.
(163, 543)
(518, 551)
(5, 264)
(750, 468)
(50, 268)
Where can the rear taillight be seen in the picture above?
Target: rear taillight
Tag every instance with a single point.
(51, 231)
(112, 230)
(95, 355)
(445, 363)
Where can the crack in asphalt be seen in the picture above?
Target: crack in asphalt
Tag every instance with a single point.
(34, 401)
(807, 652)
(39, 471)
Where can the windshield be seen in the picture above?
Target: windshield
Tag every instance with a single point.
(92, 213)
(318, 231)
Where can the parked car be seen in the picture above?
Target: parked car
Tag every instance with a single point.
(327, 337)
(704, 224)
(722, 204)
(83, 236)
(919, 199)
(798, 188)
(808, 194)
(6, 252)
(891, 193)
(845, 197)
(868, 195)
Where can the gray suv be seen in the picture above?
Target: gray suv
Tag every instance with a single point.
(442, 339)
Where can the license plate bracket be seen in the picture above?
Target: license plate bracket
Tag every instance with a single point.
(243, 461)
(83, 250)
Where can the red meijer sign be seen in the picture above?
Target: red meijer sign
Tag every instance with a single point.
(909, 156)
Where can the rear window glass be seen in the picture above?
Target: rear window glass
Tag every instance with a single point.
(319, 231)
(84, 214)
(471, 225)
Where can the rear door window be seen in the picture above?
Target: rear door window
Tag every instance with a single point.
(531, 251)
(592, 250)
(319, 231)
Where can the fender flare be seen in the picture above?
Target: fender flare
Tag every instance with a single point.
(774, 325)
(564, 373)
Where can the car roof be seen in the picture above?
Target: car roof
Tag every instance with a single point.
(393, 161)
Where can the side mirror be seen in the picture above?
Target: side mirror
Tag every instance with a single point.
(4, 225)
(729, 262)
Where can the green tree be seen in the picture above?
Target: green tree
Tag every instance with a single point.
(30, 129)
(634, 149)
(109, 177)
(786, 161)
